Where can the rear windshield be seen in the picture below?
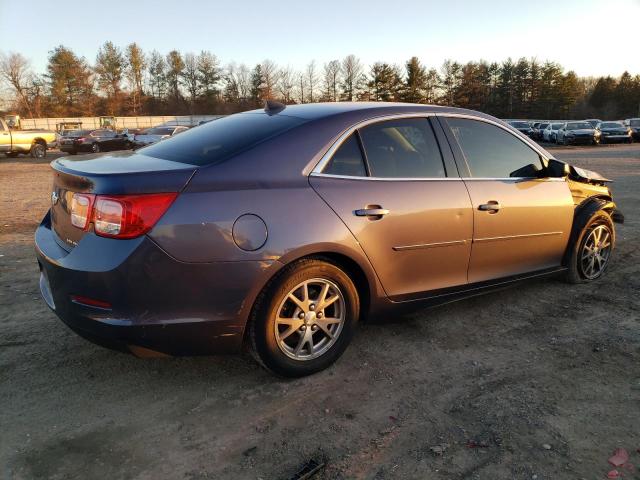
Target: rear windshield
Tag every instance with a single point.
(213, 142)
(77, 133)
(635, 123)
(543, 126)
(556, 126)
(519, 124)
(160, 131)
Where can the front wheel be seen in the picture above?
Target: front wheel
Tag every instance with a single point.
(12, 154)
(304, 319)
(590, 255)
(95, 148)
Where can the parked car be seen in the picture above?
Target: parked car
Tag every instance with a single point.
(13, 142)
(156, 134)
(593, 121)
(611, 132)
(538, 130)
(549, 133)
(522, 127)
(634, 124)
(101, 140)
(571, 133)
(284, 227)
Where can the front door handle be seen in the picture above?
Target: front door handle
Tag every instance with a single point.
(374, 212)
(492, 206)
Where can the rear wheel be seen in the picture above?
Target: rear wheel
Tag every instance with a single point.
(95, 148)
(38, 150)
(304, 320)
(590, 255)
(12, 154)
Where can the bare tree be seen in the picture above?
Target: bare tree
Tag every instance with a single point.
(331, 80)
(301, 80)
(352, 77)
(286, 83)
(270, 77)
(190, 78)
(311, 78)
(16, 71)
(134, 71)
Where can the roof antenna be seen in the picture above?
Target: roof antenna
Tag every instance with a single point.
(272, 107)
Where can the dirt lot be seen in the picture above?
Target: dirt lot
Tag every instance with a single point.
(536, 382)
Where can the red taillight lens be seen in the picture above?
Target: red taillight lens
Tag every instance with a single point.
(121, 216)
(92, 302)
(81, 210)
(80, 140)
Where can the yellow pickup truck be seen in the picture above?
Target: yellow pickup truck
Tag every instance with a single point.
(34, 142)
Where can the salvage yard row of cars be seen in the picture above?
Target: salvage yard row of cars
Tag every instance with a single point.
(15, 141)
(572, 132)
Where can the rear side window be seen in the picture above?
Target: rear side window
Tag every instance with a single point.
(490, 151)
(216, 141)
(405, 148)
(347, 160)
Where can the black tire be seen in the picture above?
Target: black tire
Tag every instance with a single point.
(262, 327)
(12, 154)
(603, 140)
(565, 141)
(38, 150)
(575, 272)
(95, 148)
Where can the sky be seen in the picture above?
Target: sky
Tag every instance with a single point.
(593, 38)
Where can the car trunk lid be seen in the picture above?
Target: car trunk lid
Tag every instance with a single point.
(113, 174)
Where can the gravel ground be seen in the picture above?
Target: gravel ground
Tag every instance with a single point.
(536, 382)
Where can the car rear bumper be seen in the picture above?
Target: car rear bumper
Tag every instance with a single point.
(157, 304)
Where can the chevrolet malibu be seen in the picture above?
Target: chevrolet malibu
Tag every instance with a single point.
(282, 228)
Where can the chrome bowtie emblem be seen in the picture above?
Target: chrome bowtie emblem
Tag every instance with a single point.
(54, 198)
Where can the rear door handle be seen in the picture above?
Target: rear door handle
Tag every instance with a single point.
(492, 206)
(375, 213)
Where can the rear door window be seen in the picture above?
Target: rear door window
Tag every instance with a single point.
(490, 151)
(347, 160)
(404, 148)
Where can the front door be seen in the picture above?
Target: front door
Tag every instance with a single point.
(389, 185)
(521, 223)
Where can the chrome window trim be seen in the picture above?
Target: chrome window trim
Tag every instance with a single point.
(381, 118)
(324, 160)
(387, 179)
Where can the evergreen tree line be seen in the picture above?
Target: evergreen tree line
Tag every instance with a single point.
(131, 82)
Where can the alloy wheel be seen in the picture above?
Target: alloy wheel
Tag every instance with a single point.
(310, 319)
(596, 252)
(38, 151)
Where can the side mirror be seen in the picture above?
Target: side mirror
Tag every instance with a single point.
(528, 171)
(557, 169)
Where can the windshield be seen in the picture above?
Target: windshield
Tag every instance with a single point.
(611, 125)
(579, 126)
(543, 126)
(519, 124)
(556, 126)
(160, 131)
(216, 141)
(635, 123)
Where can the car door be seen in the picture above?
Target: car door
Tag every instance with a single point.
(408, 209)
(5, 138)
(522, 223)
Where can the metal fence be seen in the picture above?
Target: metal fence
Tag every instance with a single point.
(121, 122)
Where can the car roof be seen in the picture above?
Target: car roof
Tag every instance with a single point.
(316, 111)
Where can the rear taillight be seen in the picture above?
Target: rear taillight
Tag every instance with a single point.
(80, 140)
(81, 210)
(121, 216)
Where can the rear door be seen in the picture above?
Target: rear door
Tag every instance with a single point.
(407, 207)
(521, 223)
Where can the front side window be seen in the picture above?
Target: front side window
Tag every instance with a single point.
(347, 160)
(404, 148)
(490, 151)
